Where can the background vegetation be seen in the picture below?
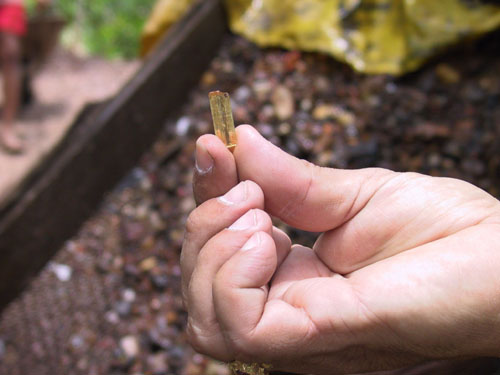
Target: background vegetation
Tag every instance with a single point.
(109, 28)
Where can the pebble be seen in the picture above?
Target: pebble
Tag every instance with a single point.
(112, 317)
(182, 126)
(447, 74)
(262, 88)
(158, 363)
(160, 282)
(123, 308)
(283, 102)
(130, 346)
(77, 342)
(148, 264)
(62, 271)
(242, 94)
(333, 112)
(217, 368)
(129, 295)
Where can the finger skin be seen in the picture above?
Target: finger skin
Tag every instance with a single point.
(218, 179)
(203, 329)
(366, 215)
(301, 194)
(202, 318)
(209, 219)
(240, 287)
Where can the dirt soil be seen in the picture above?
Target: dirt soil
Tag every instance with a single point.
(62, 88)
(109, 302)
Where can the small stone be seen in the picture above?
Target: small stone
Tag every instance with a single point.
(160, 282)
(130, 346)
(266, 113)
(82, 364)
(158, 341)
(112, 317)
(447, 74)
(217, 368)
(133, 231)
(158, 363)
(172, 317)
(262, 88)
(182, 126)
(148, 264)
(290, 60)
(188, 204)
(283, 102)
(208, 79)
(284, 129)
(306, 104)
(330, 111)
(155, 304)
(62, 271)
(242, 94)
(321, 83)
(391, 88)
(77, 342)
(434, 160)
(123, 308)
(129, 295)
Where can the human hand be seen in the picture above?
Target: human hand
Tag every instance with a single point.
(406, 269)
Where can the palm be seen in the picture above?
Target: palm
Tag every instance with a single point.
(428, 260)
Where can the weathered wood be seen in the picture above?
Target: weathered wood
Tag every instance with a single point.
(102, 148)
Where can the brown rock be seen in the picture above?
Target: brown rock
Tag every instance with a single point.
(283, 102)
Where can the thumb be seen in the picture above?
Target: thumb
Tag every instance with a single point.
(302, 194)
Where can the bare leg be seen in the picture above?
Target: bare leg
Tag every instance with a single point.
(10, 52)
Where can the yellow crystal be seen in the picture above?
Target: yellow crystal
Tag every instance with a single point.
(240, 368)
(222, 116)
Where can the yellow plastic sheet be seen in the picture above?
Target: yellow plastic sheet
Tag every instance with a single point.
(165, 13)
(373, 36)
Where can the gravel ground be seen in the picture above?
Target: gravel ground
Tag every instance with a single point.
(109, 303)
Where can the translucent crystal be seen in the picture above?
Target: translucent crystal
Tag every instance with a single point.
(240, 368)
(222, 116)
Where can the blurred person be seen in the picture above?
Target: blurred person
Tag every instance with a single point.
(12, 29)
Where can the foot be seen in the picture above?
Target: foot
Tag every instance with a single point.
(10, 142)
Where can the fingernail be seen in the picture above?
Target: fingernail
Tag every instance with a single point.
(204, 161)
(249, 220)
(237, 194)
(252, 243)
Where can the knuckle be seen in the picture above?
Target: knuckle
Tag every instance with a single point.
(314, 171)
(193, 337)
(193, 223)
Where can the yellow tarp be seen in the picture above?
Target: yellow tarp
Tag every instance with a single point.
(373, 36)
(165, 13)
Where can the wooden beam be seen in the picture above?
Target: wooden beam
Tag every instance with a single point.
(102, 148)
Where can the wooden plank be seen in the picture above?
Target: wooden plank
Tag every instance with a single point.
(102, 148)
